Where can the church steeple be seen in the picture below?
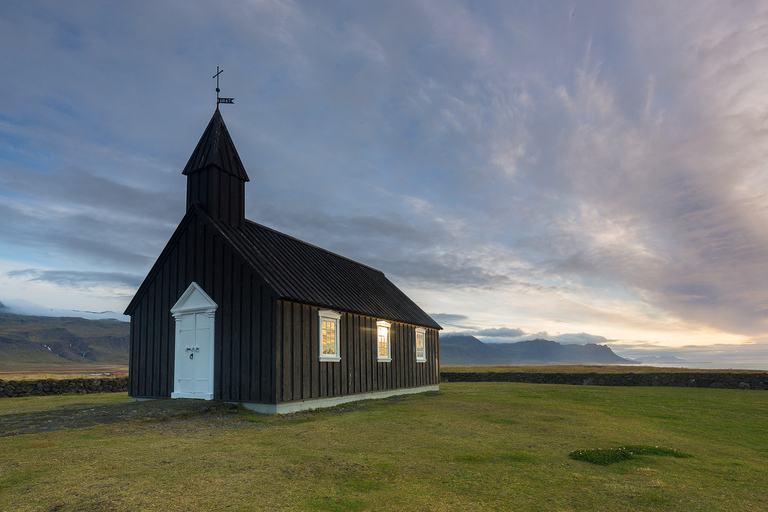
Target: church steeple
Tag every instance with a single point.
(215, 175)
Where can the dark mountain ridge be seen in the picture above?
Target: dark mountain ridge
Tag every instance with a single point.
(458, 350)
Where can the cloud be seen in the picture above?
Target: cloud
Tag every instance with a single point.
(663, 201)
(715, 353)
(493, 335)
(581, 338)
(412, 246)
(85, 217)
(24, 307)
(516, 335)
(451, 321)
(500, 332)
(78, 279)
(448, 317)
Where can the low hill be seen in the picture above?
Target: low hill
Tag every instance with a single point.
(62, 340)
(461, 350)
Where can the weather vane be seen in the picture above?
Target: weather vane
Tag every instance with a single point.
(221, 100)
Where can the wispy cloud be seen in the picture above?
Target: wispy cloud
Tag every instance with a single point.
(500, 332)
(78, 279)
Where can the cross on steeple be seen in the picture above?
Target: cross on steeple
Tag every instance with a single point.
(220, 100)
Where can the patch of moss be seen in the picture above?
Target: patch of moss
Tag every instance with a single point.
(605, 457)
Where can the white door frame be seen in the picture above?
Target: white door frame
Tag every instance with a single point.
(196, 306)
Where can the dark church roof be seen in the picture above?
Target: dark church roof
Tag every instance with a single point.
(302, 272)
(216, 149)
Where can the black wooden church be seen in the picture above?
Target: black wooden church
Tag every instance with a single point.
(236, 311)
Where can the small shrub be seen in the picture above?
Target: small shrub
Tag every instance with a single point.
(610, 455)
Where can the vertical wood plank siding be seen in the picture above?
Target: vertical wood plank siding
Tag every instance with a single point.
(302, 376)
(224, 316)
(221, 194)
(244, 320)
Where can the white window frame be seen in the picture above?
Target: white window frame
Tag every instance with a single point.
(330, 316)
(423, 332)
(381, 324)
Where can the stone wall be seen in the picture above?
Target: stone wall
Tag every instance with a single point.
(15, 388)
(11, 388)
(689, 380)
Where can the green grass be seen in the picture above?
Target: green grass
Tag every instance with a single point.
(585, 368)
(29, 404)
(472, 446)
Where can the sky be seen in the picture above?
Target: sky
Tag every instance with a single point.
(579, 171)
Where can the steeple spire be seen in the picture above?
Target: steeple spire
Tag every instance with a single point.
(215, 174)
(216, 149)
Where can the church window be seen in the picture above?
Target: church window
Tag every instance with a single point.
(329, 335)
(384, 353)
(421, 351)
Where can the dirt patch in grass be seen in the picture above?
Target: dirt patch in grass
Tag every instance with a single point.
(87, 415)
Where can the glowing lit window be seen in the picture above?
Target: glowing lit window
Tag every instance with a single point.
(421, 351)
(329, 335)
(383, 341)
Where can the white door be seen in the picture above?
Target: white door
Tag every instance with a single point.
(195, 315)
(193, 354)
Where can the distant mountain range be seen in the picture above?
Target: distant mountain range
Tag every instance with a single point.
(462, 350)
(61, 340)
(64, 340)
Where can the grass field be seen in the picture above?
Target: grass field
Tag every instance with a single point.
(57, 371)
(471, 446)
(25, 371)
(585, 368)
